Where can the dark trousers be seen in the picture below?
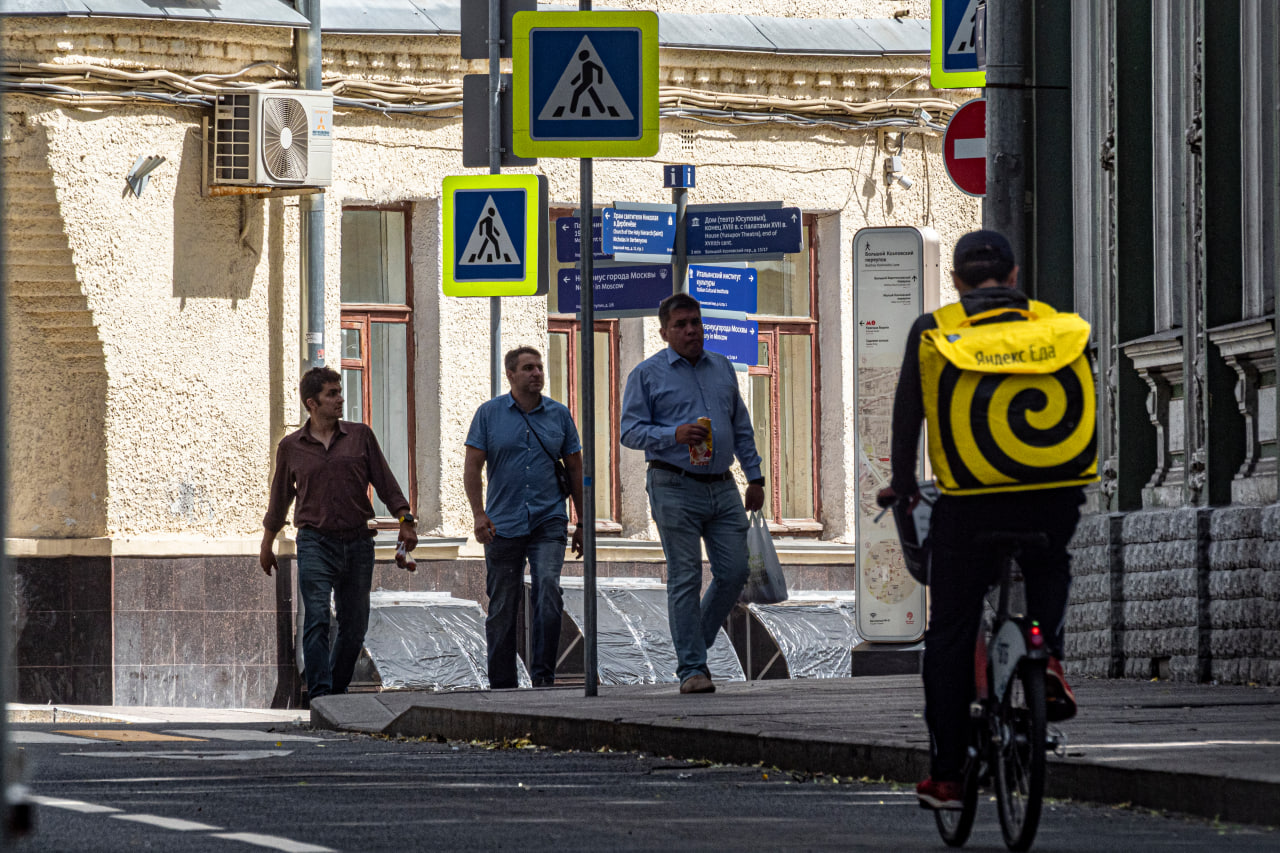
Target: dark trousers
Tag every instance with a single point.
(961, 573)
(327, 565)
(505, 558)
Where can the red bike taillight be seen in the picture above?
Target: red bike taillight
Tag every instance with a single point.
(1036, 637)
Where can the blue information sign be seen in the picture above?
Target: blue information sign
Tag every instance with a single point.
(569, 239)
(640, 232)
(620, 291)
(736, 340)
(678, 176)
(724, 288)
(488, 238)
(743, 232)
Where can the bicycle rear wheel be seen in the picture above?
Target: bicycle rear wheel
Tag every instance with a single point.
(955, 825)
(1020, 756)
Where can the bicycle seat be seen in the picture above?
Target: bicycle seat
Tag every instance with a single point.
(1012, 540)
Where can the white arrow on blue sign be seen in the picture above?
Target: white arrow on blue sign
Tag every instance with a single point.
(736, 340)
(569, 239)
(620, 291)
(639, 232)
(759, 231)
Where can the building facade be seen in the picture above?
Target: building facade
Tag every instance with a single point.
(154, 340)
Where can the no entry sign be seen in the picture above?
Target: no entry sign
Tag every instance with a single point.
(964, 147)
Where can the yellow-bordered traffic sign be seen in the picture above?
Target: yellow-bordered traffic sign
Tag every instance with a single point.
(585, 84)
(953, 58)
(495, 235)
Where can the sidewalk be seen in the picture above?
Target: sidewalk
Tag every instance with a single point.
(1212, 751)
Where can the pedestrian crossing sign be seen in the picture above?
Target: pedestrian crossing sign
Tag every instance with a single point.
(953, 56)
(495, 229)
(585, 84)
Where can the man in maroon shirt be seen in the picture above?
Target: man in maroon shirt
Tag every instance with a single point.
(328, 465)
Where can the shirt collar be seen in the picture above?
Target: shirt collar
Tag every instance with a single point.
(306, 430)
(673, 357)
(511, 403)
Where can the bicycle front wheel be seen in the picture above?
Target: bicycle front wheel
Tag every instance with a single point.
(1020, 756)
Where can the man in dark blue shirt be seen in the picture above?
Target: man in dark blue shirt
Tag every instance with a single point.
(515, 439)
(692, 493)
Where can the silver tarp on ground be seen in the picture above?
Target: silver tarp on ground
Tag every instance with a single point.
(815, 632)
(633, 636)
(429, 641)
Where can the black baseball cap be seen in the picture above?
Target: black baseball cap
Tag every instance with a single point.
(984, 247)
(981, 256)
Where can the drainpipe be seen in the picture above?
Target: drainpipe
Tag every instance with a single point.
(1004, 207)
(311, 206)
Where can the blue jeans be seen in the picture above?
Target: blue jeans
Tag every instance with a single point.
(544, 548)
(346, 568)
(689, 513)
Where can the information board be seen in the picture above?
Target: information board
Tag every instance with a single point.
(756, 231)
(620, 291)
(893, 269)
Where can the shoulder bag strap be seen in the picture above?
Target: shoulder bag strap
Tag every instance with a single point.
(535, 434)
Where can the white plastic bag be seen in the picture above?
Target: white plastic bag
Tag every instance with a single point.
(765, 583)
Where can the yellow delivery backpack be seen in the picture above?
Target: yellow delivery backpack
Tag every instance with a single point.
(1010, 405)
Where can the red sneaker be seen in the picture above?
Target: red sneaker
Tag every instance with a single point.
(940, 795)
(1059, 700)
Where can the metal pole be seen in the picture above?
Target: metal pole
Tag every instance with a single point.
(680, 197)
(495, 167)
(587, 415)
(1003, 209)
(311, 206)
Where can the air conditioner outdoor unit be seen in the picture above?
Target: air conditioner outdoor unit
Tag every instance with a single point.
(273, 138)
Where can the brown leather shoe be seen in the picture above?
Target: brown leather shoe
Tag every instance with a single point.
(697, 683)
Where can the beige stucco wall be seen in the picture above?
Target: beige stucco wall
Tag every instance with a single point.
(194, 301)
(774, 8)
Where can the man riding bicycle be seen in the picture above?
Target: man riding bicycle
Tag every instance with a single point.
(960, 572)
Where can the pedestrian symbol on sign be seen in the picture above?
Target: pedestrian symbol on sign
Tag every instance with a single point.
(489, 242)
(966, 32)
(585, 90)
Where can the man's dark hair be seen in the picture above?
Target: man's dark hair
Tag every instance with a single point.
(982, 255)
(314, 380)
(511, 359)
(674, 302)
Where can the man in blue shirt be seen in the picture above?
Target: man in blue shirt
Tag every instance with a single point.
(694, 499)
(515, 439)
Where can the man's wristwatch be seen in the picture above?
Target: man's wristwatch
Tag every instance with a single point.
(408, 518)
(758, 481)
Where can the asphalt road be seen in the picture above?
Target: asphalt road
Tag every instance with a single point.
(228, 789)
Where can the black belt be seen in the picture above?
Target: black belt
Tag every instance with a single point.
(351, 534)
(697, 478)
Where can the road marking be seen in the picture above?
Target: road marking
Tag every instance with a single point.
(242, 735)
(274, 842)
(192, 755)
(122, 735)
(176, 824)
(71, 805)
(1182, 744)
(19, 736)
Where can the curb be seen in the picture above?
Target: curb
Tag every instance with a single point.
(1202, 795)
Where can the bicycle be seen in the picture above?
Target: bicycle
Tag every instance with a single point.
(1009, 734)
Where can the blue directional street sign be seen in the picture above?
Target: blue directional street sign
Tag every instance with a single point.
(620, 291)
(723, 288)
(743, 232)
(736, 340)
(953, 57)
(569, 240)
(640, 232)
(678, 176)
(585, 84)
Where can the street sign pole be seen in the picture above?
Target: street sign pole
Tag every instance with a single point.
(680, 197)
(495, 167)
(587, 414)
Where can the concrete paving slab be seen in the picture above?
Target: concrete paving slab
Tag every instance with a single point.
(1212, 751)
(147, 715)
